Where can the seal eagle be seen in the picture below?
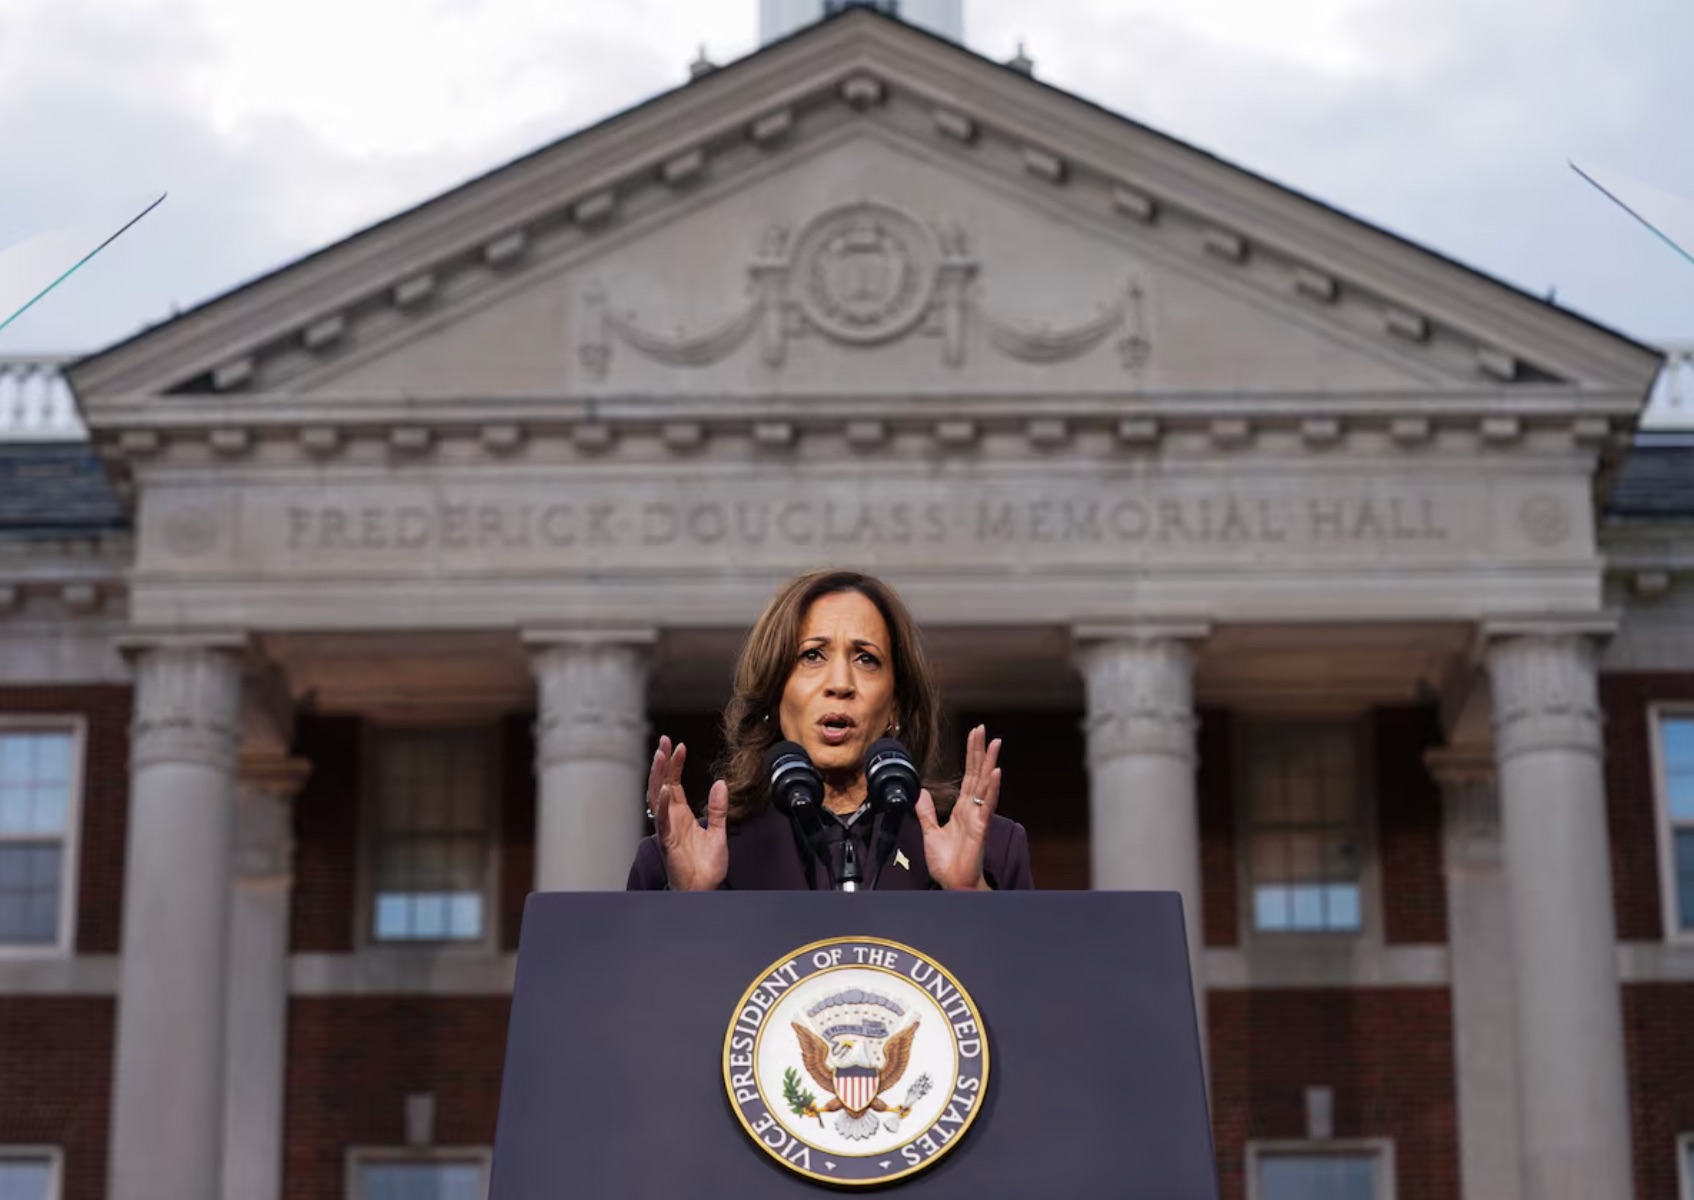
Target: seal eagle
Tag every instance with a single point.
(855, 1070)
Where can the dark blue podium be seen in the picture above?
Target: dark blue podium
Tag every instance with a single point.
(614, 1085)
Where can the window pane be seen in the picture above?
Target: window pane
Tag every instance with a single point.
(1677, 736)
(1271, 907)
(29, 894)
(25, 1179)
(52, 758)
(14, 757)
(1341, 905)
(421, 1181)
(16, 800)
(1685, 877)
(1308, 906)
(1317, 1177)
(1679, 795)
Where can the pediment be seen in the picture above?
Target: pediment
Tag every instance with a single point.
(864, 210)
(870, 266)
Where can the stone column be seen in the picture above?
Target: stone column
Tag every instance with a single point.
(591, 756)
(255, 1043)
(1145, 820)
(167, 1108)
(1571, 1075)
(1480, 953)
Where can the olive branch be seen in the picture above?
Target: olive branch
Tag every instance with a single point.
(798, 1100)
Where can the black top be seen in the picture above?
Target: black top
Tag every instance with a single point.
(765, 856)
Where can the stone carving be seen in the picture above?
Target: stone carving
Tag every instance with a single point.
(1545, 518)
(187, 706)
(1471, 802)
(1140, 698)
(191, 531)
(593, 701)
(1043, 344)
(1545, 694)
(860, 274)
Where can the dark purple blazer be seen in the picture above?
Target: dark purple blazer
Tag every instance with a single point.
(763, 856)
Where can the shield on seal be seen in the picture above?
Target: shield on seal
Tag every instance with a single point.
(856, 1086)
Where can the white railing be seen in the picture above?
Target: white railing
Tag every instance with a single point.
(1672, 403)
(35, 401)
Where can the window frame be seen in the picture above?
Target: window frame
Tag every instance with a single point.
(1670, 914)
(1379, 1148)
(55, 1156)
(70, 867)
(1249, 723)
(362, 1156)
(370, 826)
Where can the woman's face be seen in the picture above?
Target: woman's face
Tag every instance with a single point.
(840, 692)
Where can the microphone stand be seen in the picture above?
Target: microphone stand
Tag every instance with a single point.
(850, 873)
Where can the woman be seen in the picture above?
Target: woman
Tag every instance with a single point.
(834, 663)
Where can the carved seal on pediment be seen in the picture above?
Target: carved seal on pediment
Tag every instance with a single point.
(861, 274)
(864, 272)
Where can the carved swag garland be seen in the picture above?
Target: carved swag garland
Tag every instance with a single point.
(862, 274)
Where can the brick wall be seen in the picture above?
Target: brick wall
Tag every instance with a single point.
(56, 1082)
(107, 710)
(1408, 811)
(1215, 784)
(326, 835)
(1386, 1053)
(1658, 1021)
(353, 1060)
(1631, 803)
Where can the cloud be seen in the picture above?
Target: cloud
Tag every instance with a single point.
(280, 127)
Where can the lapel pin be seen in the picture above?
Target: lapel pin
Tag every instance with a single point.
(901, 861)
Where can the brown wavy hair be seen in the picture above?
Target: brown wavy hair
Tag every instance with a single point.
(767, 659)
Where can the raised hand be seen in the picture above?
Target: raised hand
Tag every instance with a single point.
(953, 851)
(696, 858)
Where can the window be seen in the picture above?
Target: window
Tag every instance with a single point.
(1321, 1171)
(1303, 816)
(417, 1175)
(1685, 1165)
(29, 1174)
(1675, 744)
(433, 801)
(38, 818)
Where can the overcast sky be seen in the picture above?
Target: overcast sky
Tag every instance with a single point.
(280, 125)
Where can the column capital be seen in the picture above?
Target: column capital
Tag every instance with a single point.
(1546, 692)
(538, 640)
(1140, 697)
(1470, 801)
(266, 785)
(1089, 634)
(593, 694)
(187, 700)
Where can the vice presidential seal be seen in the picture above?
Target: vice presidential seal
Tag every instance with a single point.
(856, 1061)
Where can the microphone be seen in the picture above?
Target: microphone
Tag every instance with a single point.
(797, 792)
(893, 784)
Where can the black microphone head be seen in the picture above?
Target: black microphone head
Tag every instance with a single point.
(794, 781)
(890, 776)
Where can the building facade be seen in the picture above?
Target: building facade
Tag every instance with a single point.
(1302, 571)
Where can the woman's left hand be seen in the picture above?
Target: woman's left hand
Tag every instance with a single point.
(953, 852)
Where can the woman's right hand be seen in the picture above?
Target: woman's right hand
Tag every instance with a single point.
(696, 857)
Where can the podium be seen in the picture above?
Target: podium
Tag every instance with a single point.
(632, 1012)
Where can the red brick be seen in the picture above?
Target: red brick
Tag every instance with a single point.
(56, 1082)
(1408, 810)
(1387, 1055)
(1631, 802)
(352, 1060)
(107, 710)
(1658, 1021)
(1218, 866)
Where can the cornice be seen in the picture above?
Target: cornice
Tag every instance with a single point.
(566, 195)
(1555, 427)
